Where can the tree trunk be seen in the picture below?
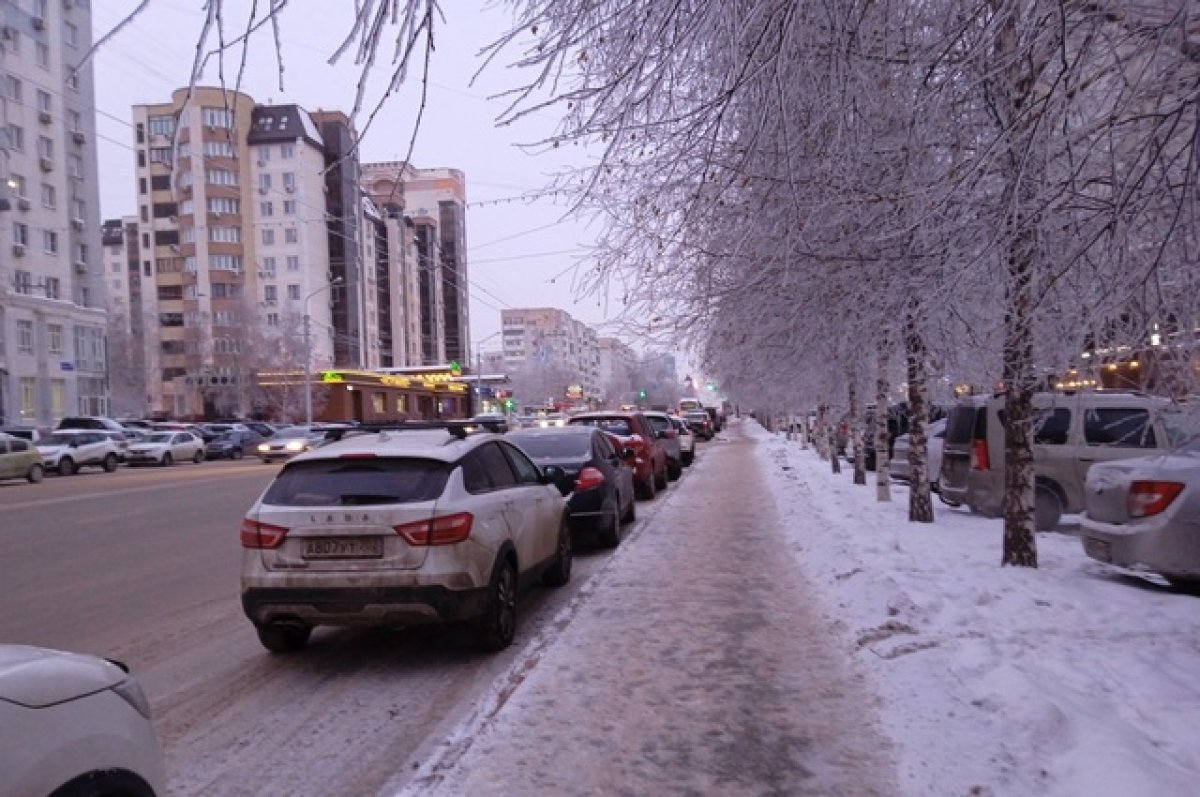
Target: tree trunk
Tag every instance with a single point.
(1020, 545)
(883, 489)
(920, 502)
(821, 439)
(860, 465)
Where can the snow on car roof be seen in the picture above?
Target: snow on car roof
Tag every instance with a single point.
(437, 444)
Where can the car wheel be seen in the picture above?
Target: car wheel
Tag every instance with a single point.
(630, 513)
(660, 479)
(167, 460)
(66, 466)
(235, 453)
(198, 457)
(498, 625)
(645, 489)
(609, 534)
(36, 473)
(559, 572)
(687, 458)
(1047, 508)
(283, 637)
(110, 463)
(674, 469)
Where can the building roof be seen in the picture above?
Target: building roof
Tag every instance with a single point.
(272, 123)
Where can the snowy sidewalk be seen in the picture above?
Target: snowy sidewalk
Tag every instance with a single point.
(698, 665)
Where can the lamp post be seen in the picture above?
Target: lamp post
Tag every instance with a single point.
(479, 371)
(308, 350)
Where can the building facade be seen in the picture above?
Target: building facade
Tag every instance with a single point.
(52, 297)
(548, 352)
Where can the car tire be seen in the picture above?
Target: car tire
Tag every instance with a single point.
(687, 459)
(167, 460)
(1047, 508)
(66, 466)
(198, 457)
(283, 637)
(498, 625)
(645, 489)
(674, 469)
(36, 473)
(559, 571)
(660, 480)
(110, 463)
(105, 782)
(609, 534)
(235, 453)
(630, 513)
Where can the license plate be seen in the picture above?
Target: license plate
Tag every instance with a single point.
(1097, 549)
(344, 548)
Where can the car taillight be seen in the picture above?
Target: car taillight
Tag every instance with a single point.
(261, 535)
(1150, 498)
(589, 478)
(441, 530)
(979, 455)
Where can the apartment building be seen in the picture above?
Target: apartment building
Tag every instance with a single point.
(617, 364)
(52, 298)
(549, 339)
(429, 257)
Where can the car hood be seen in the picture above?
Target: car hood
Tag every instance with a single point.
(39, 677)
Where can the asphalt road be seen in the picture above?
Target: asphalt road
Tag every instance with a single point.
(142, 565)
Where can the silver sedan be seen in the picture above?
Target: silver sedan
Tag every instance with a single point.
(1144, 514)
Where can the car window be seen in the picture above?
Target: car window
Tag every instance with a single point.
(1050, 427)
(527, 472)
(3, 445)
(618, 426)
(602, 448)
(553, 446)
(965, 424)
(486, 468)
(357, 482)
(1125, 427)
(658, 423)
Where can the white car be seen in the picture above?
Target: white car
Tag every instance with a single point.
(74, 724)
(398, 527)
(166, 448)
(67, 450)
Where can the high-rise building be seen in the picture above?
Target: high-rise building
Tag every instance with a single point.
(548, 340)
(433, 275)
(52, 318)
(617, 362)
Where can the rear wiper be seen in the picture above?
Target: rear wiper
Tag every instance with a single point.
(367, 498)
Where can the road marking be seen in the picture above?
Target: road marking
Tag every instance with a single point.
(110, 493)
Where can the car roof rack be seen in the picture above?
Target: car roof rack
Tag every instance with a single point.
(457, 428)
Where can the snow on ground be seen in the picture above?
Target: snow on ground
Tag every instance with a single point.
(1070, 679)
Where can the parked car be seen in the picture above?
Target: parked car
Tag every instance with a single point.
(121, 440)
(89, 422)
(552, 419)
(19, 459)
(666, 432)
(701, 423)
(1071, 432)
(234, 444)
(897, 424)
(1144, 513)
(598, 483)
(74, 724)
(648, 456)
(287, 443)
(402, 527)
(167, 448)
(65, 451)
(211, 431)
(687, 440)
(31, 433)
(899, 468)
(496, 421)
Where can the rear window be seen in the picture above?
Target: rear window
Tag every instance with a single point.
(965, 424)
(659, 423)
(356, 482)
(563, 446)
(702, 417)
(618, 426)
(1127, 428)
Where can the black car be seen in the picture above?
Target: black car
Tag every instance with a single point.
(598, 483)
(233, 444)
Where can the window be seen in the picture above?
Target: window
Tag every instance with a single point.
(291, 235)
(12, 88)
(289, 181)
(216, 117)
(50, 242)
(16, 137)
(70, 34)
(73, 81)
(53, 288)
(264, 182)
(527, 472)
(24, 336)
(42, 52)
(270, 293)
(28, 391)
(48, 196)
(188, 235)
(266, 209)
(225, 263)
(78, 209)
(377, 403)
(1125, 427)
(218, 149)
(220, 177)
(20, 233)
(43, 101)
(287, 151)
(293, 291)
(1051, 427)
(141, 185)
(264, 153)
(54, 334)
(293, 263)
(228, 235)
(289, 207)
(224, 205)
(272, 319)
(161, 125)
(160, 155)
(45, 147)
(75, 166)
(23, 281)
(268, 237)
(76, 120)
(268, 265)
(486, 468)
(58, 397)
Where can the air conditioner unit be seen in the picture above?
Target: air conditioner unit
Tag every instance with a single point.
(77, 223)
(19, 250)
(81, 266)
(23, 203)
(39, 23)
(47, 164)
(79, 136)
(44, 117)
(262, 189)
(291, 189)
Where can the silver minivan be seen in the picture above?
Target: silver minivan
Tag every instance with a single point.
(1071, 432)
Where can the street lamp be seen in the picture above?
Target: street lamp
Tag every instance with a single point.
(308, 350)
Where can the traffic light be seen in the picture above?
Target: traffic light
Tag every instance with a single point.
(641, 394)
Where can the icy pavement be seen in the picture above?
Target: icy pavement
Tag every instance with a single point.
(699, 664)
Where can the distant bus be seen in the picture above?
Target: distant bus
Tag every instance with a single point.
(690, 404)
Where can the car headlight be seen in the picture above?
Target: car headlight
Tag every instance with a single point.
(264, 447)
(295, 445)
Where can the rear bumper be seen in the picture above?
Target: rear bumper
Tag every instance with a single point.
(1170, 546)
(585, 510)
(395, 605)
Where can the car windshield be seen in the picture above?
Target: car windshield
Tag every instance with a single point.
(355, 482)
(619, 426)
(293, 431)
(555, 447)
(697, 417)
(56, 439)
(158, 437)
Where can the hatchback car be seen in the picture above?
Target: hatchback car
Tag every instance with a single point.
(597, 482)
(19, 459)
(74, 724)
(167, 448)
(398, 527)
(234, 445)
(1144, 513)
(899, 467)
(647, 455)
(67, 450)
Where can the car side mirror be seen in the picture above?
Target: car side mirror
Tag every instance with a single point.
(553, 474)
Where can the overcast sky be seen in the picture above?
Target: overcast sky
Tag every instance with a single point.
(521, 253)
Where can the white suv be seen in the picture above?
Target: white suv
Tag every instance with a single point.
(68, 450)
(398, 527)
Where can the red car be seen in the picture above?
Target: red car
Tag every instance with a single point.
(649, 458)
